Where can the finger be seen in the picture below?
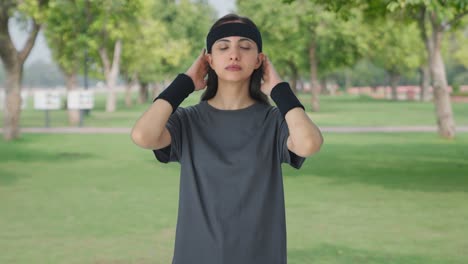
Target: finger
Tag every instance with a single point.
(206, 59)
(266, 61)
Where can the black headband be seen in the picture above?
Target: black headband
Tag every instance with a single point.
(233, 29)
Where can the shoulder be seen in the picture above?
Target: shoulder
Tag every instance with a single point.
(189, 111)
(273, 112)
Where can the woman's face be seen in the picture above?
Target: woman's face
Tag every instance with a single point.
(234, 58)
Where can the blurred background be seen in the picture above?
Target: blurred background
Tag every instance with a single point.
(386, 81)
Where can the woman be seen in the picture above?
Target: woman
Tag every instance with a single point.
(230, 147)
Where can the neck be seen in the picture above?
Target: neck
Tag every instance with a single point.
(232, 96)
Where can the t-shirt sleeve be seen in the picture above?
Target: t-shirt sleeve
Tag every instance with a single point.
(287, 156)
(173, 151)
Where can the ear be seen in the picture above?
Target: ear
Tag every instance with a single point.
(260, 59)
(209, 59)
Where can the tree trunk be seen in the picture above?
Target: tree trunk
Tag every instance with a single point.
(425, 71)
(348, 80)
(323, 86)
(131, 82)
(332, 87)
(128, 94)
(394, 81)
(155, 89)
(443, 105)
(71, 83)
(300, 84)
(11, 116)
(294, 76)
(13, 61)
(111, 72)
(111, 101)
(424, 82)
(314, 83)
(294, 83)
(143, 93)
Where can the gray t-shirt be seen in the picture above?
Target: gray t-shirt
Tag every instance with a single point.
(231, 200)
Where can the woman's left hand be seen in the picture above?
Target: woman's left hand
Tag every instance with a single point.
(270, 76)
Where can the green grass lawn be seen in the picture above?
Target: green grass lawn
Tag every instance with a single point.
(343, 110)
(365, 198)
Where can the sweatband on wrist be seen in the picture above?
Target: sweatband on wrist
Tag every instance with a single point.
(177, 91)
(284, 98)
(233, 29)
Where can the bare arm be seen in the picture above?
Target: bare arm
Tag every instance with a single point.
(305, 137)
(150, 130)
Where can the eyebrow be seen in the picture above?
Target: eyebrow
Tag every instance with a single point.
(240, 40)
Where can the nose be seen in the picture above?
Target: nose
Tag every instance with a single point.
(234, 56)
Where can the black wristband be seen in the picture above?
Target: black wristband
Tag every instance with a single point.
(177, 91)
(284, 98)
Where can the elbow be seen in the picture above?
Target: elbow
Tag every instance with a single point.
(140, 139)
(310, 147)
(137, 137)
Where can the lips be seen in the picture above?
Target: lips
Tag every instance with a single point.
(233, 68)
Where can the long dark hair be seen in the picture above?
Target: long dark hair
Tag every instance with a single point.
(255, 79)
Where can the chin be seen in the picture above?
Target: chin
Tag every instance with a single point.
(233, 77)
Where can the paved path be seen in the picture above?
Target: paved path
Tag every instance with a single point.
(341, 129)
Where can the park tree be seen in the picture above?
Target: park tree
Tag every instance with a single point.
(169, 32)
(435, 19)
(85, 33)
(365, 73)
(395, 48)
(311, 32)
(190, 20)
(187, 21)
(65, 32)
(150, 51)
(461, 53)
(284, 41)
(33, 14)
(455, 58)
(109, 22)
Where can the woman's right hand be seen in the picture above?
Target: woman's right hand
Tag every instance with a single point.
(198, 71)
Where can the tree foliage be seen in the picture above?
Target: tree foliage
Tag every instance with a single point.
(288, 29)
(66, 36)
(396, 47)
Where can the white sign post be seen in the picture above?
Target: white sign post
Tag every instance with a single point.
(24, 99)
(80, 100)
(47, 100)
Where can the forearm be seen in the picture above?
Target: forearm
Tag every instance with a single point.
(150, 126)
(305, 137)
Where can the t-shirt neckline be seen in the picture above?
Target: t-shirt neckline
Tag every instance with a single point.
(245, 109)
